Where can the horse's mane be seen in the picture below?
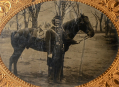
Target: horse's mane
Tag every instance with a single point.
(70, 23)
(71, 27)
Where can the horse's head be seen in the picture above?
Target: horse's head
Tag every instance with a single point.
(85, 25)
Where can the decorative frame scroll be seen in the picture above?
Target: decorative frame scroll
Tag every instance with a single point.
(110, 78)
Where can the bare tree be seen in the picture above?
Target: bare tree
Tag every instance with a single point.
(27, 17)
(34, 11)
(96, 25)
(108, 27)
(101, 21)
(17, 21)
(18, 24)
(26, 23)
(98, 19)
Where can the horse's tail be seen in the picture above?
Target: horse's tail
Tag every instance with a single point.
(12, 35)
(12, 38)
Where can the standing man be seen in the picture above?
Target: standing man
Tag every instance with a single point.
(54, 43)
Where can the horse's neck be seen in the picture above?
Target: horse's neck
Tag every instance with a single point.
(71, 28)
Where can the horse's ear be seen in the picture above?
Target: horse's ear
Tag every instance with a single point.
(81, 13)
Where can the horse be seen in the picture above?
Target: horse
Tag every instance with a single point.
(55, 66)
(20, 40)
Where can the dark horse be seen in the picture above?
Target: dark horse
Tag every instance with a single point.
(19, 41)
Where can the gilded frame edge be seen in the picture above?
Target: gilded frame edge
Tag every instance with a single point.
(108, 7)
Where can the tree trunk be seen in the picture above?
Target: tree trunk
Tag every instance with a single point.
(107, 27)
(101, 22)
(17, 21)
(34, 22)
(26, 23)
(63, 8)
(96, 26)
(34, 12)
(96, 18)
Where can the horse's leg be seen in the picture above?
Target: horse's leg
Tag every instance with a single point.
(10, 62)
(14, 58)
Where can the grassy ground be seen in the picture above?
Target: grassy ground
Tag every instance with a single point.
(99, 54)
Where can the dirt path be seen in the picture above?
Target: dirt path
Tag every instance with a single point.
(32, 66)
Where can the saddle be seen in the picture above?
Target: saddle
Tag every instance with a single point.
(35, 36)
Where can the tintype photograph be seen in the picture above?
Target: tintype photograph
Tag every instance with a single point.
(58, 44)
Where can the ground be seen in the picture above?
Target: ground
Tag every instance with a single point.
(32, 65)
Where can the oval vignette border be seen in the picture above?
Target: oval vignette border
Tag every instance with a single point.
(110, 78)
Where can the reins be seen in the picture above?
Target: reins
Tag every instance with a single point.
(80, 68)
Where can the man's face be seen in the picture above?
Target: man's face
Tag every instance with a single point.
(57, 22)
